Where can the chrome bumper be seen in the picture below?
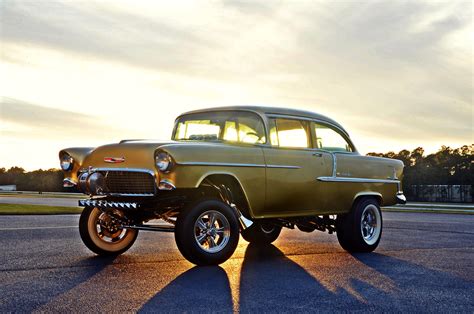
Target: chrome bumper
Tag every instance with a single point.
(401, 199)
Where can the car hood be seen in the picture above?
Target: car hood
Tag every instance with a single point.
(126, 154)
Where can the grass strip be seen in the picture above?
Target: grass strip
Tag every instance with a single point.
(23, 209)
(431, 211)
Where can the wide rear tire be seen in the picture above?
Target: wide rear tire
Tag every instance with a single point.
(361, 229)
(207, 232)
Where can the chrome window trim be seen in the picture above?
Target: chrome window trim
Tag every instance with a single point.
(275, 115)
(343, 132)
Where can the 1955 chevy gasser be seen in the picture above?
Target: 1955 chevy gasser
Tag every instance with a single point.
(230, 171)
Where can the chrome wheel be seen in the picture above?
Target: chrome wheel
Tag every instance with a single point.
(108, 227)
(212, 231)
(104, 233)
(370, 224)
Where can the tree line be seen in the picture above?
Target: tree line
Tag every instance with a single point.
(448, 166)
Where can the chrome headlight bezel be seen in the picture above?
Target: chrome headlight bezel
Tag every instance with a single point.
(164, 162)
(67, 162)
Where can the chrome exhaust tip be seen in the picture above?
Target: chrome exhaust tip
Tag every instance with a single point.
(244, 222)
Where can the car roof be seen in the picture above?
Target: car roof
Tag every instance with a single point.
(263, 110)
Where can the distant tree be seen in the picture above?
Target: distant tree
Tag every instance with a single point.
(16, 170)
(445, 167)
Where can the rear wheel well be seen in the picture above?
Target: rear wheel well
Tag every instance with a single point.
(232, 184)
(376, 197)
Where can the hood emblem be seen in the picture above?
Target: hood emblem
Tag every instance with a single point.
(114, 160)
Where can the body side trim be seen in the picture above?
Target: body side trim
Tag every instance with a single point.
(356, 180)
(225, 164)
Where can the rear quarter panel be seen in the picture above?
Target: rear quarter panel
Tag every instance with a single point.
(343, 194)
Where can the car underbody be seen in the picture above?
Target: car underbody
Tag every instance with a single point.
(138, 211)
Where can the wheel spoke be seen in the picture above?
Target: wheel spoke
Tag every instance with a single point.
(212, 219)
(201, 238)
(202, 224)
(220, 230)
(212, 242)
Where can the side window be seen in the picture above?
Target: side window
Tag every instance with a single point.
(290, 133)
(329, 139)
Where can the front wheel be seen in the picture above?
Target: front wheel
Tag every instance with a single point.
(361, 229)
(102, 233)
(207, 232)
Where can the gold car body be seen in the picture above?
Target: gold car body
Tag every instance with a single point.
(276, 181)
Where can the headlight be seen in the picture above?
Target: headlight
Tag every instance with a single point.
(66, 162)
(163, 161)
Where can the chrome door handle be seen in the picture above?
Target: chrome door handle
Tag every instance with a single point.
(317, 154)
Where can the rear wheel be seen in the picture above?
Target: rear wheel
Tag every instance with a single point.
(261, 233)
(102, 233)
(361, 229)
(207, 232)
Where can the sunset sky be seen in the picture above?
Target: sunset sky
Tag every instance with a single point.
(396, 74)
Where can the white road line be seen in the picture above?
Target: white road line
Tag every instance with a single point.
(38, 228)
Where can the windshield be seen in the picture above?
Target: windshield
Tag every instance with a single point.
(231, 126)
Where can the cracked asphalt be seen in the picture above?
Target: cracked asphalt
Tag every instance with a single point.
(425, 263)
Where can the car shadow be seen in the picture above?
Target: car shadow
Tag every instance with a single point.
(270, 280)
(199, 289)
(48, 284)
(415, 285)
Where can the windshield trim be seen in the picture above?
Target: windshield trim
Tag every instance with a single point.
(259, 117)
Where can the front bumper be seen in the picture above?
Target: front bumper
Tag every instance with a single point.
(104, 204)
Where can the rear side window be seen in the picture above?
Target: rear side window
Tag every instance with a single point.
(290, 133)
(329, 139)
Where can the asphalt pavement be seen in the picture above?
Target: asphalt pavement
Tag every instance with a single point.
(425, 263)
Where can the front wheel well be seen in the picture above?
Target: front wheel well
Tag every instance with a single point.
(229, 182)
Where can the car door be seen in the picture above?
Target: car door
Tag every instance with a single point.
(292, 168)
(347, 163)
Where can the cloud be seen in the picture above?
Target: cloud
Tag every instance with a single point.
(26, 120)
(99, 32)
(400, 70)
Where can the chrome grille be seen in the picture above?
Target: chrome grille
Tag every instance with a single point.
(129, 182)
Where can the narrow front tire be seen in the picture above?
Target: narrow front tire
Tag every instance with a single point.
(102, 234)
